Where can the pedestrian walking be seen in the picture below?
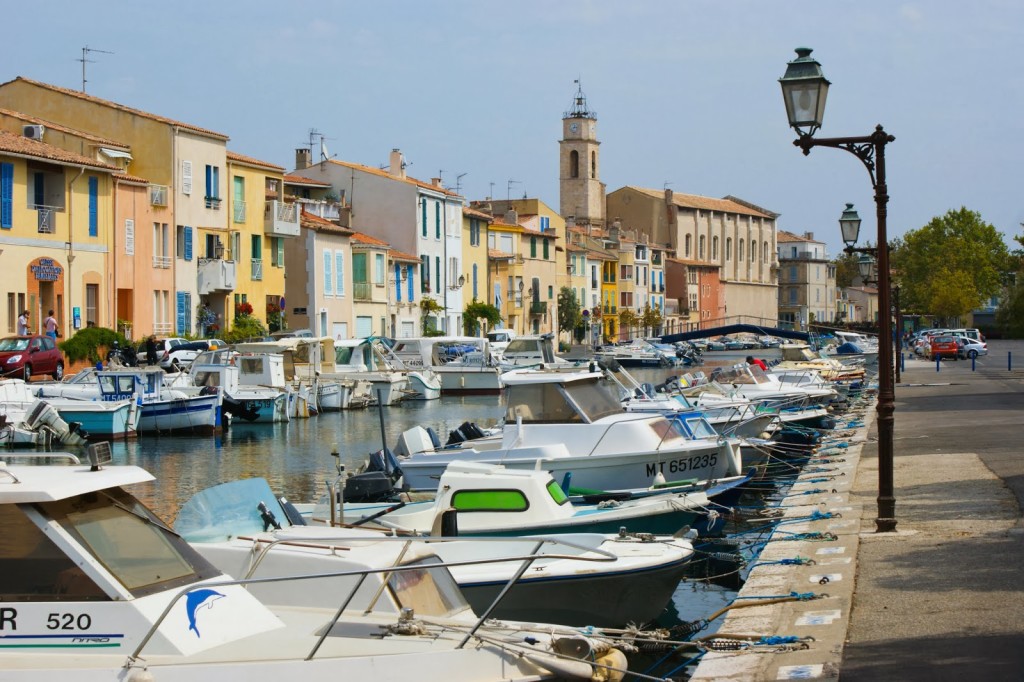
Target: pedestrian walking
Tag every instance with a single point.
(23, 323)
(50, 326)
(151, 357)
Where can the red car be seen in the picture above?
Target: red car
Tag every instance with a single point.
(944, 346)
(26, 356)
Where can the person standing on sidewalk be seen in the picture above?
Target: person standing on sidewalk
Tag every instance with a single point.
(23, 323)
(50, 325)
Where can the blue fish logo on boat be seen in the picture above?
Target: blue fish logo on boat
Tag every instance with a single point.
(197, 600)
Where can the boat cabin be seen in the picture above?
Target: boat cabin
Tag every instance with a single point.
(547, 397)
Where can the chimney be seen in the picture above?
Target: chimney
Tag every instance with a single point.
(397, 167)
(302, 157)
(436, 182)
(511, 217)
(668, 196)
(809, 236)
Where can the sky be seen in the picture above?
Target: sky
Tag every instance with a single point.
(685, 92)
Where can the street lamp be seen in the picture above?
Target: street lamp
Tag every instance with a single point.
(804, 90)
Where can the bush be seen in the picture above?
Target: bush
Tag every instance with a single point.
(244, 329)
(86, 343)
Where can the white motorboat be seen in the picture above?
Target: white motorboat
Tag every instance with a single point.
(96, 587)
(489, 499)
(254, 387)
(563, 422)
(463, 363)
(163, 409)
(27, 421)
(570, 581)
(754, 384)
(534, 352)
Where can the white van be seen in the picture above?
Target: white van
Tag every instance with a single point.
(971, 333)
(500, 338)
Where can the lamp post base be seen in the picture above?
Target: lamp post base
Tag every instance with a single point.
(885, 525)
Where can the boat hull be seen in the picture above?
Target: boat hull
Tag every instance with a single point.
(470, 381)
(194, 414)
(607, 600)
(121, 421)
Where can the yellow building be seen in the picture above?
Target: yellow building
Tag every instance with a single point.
(56, 220)
(475, 227)
(505, 272)
(369, 285)
(252, 245)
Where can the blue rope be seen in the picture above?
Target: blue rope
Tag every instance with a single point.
(798, 561)
(778, 639)
(684, 664)
(799, 596)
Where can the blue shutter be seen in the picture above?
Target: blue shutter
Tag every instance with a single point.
(6, 195)
(398, 283)
(188, 243)
(408, 274)
(328, 279)
(94, 199)
(474, 281)
(182, 310)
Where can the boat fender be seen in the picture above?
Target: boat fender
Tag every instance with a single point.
(611, 667)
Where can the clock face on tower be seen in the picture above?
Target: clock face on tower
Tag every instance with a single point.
(574, 127)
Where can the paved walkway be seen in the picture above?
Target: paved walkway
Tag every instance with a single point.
(943, 597)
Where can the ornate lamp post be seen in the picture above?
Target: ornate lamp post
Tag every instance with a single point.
(804, 90)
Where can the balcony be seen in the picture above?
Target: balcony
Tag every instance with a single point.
(362, 291)
(216, 275)
(238, 211)
(163, 328)
(280, 219)
(162, 262)
(257, 270)
(212, 203)
(539, 308)
(610, 310)
(328, 210)
(46, 221)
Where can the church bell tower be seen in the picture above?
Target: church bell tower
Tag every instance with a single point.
(581, 192)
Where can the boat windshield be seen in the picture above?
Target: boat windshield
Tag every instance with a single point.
(229, 510)
(428, 591)
(118, 385)
(740, 374)
(129, 541)
(575, 402)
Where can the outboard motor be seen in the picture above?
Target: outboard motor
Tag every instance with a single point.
(377, 482)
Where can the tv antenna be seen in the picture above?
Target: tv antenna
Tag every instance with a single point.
(458, 182)
(508, 189)
(85, 60)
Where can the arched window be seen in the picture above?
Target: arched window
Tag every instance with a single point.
(714, 248)
(574, 164)
(765, 257)
(593, 165)
(700, 247)
(753, 251)
(687, 251)
(728, 248)
(739, 251)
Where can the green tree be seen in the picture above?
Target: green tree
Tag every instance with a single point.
(570, 316)
(429, 308)
(651, 319)
(628, 319)
(951, 265)
(1010, 315)
(846, 270)
(476, 311)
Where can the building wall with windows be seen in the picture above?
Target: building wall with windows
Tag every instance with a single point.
(807, 281)
(404, 296)
(369, 274)
(475, 224)
(320, 300)
(56, 220)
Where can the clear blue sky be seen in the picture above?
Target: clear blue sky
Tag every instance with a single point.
(686, 92)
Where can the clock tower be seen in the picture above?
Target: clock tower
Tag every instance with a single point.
(579, 179)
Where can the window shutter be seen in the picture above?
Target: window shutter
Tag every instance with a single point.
(438, 275)
(6, 195)
(209, 180)
(188, 243)
(328, 279)
(94, 191)
(437, 220)
(425, 274)
(129, 237)
(182, 297)
(339, 262)
(474, 280)
(40, 189)
(408, 276)
(423, 215)
(398, 283)
(546, 253)
(280, 252)
(186, 177)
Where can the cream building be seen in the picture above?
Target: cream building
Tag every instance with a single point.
(807, 281)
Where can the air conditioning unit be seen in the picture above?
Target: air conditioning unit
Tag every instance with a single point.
(33, 132)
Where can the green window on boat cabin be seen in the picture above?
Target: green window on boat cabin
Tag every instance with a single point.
(556, 492)
(489, 500)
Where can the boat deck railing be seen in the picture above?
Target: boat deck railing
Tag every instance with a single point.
(591, 554)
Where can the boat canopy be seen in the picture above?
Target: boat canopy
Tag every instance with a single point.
(554, 398)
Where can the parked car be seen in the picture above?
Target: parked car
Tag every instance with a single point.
(28, 356)
(971, 348)
(735, 344)
(944, 346)
(181, 355)
(715, 345)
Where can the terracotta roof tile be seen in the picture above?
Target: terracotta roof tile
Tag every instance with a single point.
(703, 203)
(401, 255)
(315, 222)
(50, 125)
(784, 236)
(18, 144)
(474, 213)
(290, 179)
(250, 161)
(499, 255)
(115, 105)
(368, 240)
(130, 179)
